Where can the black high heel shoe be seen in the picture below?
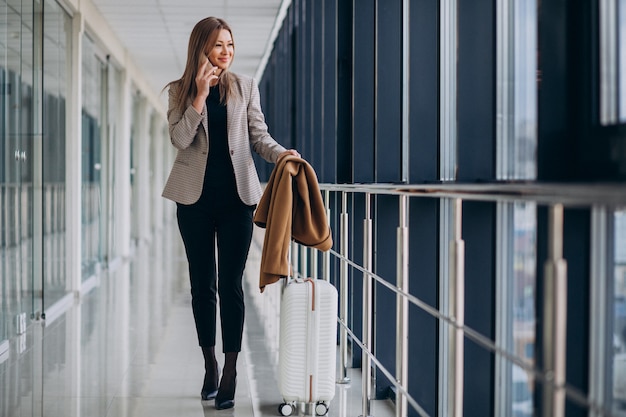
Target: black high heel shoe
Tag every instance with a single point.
(226, 393)
(225, 397)
(211, 375)
(208, 395)
(209, 389)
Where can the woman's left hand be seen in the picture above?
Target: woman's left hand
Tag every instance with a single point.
(289, 152)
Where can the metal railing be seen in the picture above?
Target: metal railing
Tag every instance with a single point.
(556, 197)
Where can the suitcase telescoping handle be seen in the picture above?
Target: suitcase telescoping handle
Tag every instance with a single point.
(312, 281)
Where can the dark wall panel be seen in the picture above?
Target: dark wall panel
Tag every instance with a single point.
(327, 167)
(553, 152)
(304, 67)
(424, 97)
(357, 215)
(572, 144)
(388, 101)
(317, 82)
(344, 163)
(363, 90)
(385, 223)
(479, 236)
(476, 94)
(423, 283)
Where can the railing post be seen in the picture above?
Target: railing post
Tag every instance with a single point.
(555, 316)
(304, 261)
(343, 290)
(295, 259)
(366, 360)
(326, 255)
(457, 313)
(402, 307)
(314, 269)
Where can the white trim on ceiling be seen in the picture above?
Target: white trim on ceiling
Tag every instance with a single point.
(278, 23)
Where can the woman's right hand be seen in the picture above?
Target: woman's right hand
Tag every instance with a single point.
(205, 78)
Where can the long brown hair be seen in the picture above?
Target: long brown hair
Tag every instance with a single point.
(204, 33)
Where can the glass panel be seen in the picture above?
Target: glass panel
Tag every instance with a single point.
(91, 159)
(134, 139)
(26, 121)
(524, 313)
(114, 77)
(522, 398)
(608, 61)
(16, 140)
(612, 61)
(447, 75)
(6, 170)
(619, 320)
(621, 19)
(446, 235)
(517, 89)
(57, 41)
(516, 305)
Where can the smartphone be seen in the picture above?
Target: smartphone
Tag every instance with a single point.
(211, 62)
(216, 68)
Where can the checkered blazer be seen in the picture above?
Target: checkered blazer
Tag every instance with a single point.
(189, 134)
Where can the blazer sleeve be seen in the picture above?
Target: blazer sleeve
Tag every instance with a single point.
(260, 139)
(183, 127)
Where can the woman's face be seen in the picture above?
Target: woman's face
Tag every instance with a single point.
(221, 55)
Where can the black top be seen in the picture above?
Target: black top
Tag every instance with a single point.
(219, 168)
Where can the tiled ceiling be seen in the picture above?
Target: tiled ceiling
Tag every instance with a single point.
(156, 32)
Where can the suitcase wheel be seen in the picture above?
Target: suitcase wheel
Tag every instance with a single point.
(285, 409)
(321, 409)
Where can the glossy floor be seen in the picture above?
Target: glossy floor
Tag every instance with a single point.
(128, 349)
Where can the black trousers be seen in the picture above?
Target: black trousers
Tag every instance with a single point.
(218, 217)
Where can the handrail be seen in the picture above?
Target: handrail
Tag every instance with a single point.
(568, 194)
(553, 195)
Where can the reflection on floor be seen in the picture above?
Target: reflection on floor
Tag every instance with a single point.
(128, 349)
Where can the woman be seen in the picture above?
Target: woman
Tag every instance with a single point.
(214, 119)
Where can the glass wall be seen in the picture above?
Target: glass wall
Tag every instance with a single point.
(16, 167)
(57, 51)
(21, 154)
(36, 119)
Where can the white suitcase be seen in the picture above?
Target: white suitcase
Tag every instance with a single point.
(308, 345)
